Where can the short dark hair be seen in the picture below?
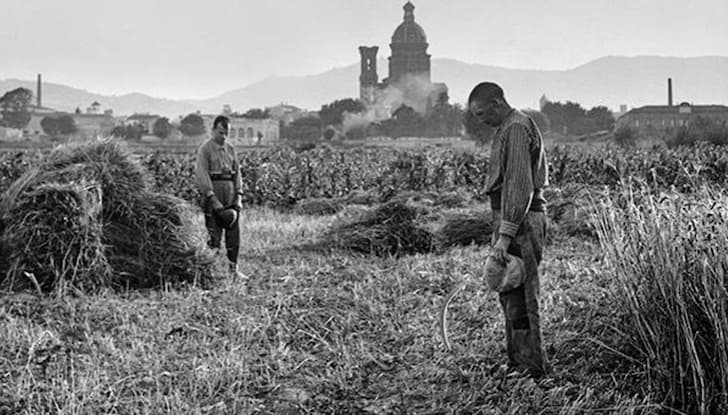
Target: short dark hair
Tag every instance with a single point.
(485, 91)
(221, 119)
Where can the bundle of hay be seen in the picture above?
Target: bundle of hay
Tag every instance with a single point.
(146, 238)
(466, 229)
(106, 162)
(390, 229)
(53, 239)
(317, 207)
(412, 197)
(449, 200)
(361, 197)
(159, 242)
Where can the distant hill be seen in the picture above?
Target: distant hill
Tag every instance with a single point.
(66, 98)
(610, 81)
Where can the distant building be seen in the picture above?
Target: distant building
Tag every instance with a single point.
(661, 120)
(409, 71)
(249, 131)
(94, 125)
(94, 108)
(11, 134)
(145, 120)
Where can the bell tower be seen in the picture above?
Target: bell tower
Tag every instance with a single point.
(368, 79)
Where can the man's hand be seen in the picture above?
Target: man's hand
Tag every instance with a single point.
(500, 250)
(238, 202)
(215, 204)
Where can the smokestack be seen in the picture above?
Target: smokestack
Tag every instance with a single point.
(37, 95)
(669, 92)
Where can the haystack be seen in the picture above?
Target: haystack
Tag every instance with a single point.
(390, 229)
(107, 162)
(53, 239)
(148, 238)
(317, 206)
(465, 229)
(159, 242)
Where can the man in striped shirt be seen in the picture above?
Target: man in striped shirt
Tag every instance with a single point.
(516, 176)
(217, 174)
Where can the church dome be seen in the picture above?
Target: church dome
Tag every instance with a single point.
(408, 31)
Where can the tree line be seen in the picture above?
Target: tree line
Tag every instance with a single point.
(441, 119)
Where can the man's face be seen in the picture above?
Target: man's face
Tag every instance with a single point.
(222, 131)
(486, 112)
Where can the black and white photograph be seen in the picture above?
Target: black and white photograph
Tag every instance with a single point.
(365, 207)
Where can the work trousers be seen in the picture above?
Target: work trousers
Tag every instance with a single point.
(225, 192)
(520, 305)
(216, 233)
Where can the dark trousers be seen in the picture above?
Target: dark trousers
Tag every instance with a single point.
(520, 305)
(232, 236)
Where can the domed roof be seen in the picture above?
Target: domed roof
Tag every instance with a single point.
(408, 31)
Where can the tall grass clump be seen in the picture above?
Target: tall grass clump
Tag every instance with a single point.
(670, 259)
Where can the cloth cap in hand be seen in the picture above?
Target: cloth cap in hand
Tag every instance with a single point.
(227, 218)
(502, 278)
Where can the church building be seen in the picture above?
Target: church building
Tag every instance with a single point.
(409, 79)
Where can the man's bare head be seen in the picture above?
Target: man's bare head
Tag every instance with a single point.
(221, 127)
(488, 104)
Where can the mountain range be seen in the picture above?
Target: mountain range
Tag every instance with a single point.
(611, 81)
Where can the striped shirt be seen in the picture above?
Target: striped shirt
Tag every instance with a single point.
(517, 171)
(213, 160)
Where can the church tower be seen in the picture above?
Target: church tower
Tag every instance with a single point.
(409, 50)
(368, 79)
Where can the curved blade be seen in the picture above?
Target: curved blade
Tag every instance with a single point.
(443, 313)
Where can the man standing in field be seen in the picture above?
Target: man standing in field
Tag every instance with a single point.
(217, 174)
(516, 176)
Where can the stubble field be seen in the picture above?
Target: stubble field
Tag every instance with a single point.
(325, 330)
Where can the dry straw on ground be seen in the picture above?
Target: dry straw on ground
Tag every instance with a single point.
(147, 238)
(317, 206)
(466, 228)
(361, 197)
(391, 229)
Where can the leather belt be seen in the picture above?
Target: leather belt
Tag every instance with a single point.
(221, 176)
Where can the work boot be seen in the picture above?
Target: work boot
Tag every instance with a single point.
(235, 272)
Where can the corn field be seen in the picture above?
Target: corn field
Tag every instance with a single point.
(281, 176)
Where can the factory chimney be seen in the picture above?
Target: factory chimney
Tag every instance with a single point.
(669, 92)
(37, 95)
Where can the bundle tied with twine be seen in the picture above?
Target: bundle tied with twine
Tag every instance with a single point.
(147, 238)
(391, 229)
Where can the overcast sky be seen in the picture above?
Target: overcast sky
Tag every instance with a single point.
(199, 49)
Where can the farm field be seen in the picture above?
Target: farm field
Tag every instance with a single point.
(320, 329)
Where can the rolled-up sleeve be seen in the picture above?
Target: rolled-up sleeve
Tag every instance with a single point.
(517, 188)
(202, 173)
(237, 180)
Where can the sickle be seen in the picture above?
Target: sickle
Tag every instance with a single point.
(443, 311)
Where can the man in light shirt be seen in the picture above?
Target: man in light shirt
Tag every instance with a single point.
(217, 173)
